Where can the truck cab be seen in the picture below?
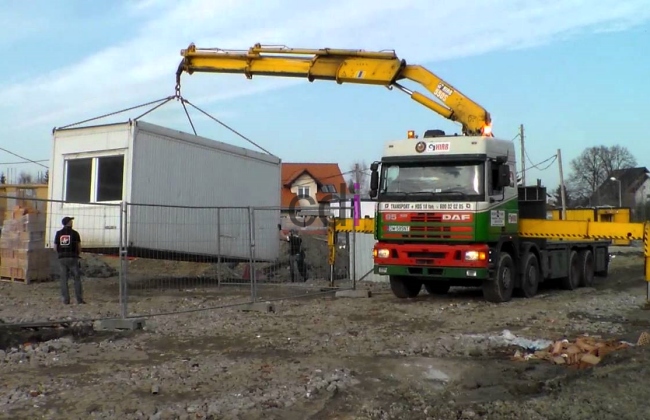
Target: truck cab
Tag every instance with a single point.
(442, 202)
(448, 214)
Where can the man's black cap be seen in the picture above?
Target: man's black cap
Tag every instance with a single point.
(66, 220)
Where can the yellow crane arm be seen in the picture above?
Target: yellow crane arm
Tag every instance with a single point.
(381, 68)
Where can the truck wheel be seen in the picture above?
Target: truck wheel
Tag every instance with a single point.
(405, 287)
(572, 280)
(586, 268)
(530, 276)
(500, 289)
(437, 287)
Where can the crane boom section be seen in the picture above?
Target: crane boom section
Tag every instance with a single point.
(342, 66)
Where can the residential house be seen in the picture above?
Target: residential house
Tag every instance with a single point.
(307, 189)
(634, 184)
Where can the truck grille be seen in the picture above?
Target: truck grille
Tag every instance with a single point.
(426, 217)
(435, 228)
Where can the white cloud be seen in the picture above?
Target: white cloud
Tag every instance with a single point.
(143, 68)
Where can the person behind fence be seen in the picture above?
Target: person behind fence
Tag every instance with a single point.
(295, 253)
(68, 248)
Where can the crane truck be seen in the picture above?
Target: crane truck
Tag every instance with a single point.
(449, 210)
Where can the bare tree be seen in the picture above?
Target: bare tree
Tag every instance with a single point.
(615, 158)
(25, 178)
(359, 172)
(557, 195)
(594, 166)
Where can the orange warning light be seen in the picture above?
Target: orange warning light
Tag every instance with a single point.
(487, 130)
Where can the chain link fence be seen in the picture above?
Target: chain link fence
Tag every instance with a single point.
(146, 260)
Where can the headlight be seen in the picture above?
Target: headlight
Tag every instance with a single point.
(474, 256)
(381, 253)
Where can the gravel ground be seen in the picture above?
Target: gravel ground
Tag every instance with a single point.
(323, 358)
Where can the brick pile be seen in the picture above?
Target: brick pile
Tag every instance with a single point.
(23, 256)
(582, 353)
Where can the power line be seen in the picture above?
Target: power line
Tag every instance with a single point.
(24, 158)
(552, 159)
(23, 161)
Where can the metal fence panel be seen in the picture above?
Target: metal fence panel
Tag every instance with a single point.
(306, 272)
(143, 260)
(30, 290)
(178, 258)
(363, 262)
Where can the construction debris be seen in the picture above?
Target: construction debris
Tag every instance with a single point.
(584, 352)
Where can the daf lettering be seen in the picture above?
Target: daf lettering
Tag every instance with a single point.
(456, 217)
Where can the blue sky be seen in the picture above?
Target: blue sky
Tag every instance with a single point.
(574, 72)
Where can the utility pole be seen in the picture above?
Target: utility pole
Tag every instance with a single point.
(523, 155)
(357, 176)
(562, 188)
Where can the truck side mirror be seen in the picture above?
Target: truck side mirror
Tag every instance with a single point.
(504, 176)
(374, 180)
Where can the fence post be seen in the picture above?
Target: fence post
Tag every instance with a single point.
(251, 236)
(354, 257)
(218, 247)
(123, 254)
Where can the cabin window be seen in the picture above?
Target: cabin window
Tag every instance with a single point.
(78, 180)
(110, 177)
(97, 179)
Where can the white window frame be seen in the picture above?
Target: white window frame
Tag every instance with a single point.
(303, 192)
(94, 176)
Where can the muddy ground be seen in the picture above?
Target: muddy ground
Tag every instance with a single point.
(324, 358)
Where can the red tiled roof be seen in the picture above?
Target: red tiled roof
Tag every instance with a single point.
(322, 173)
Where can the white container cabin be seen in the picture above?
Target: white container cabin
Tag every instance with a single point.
(159, 171)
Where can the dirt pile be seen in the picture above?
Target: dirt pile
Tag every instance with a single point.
(92, 266)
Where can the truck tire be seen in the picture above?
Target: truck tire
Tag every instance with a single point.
(572, 280)
(500, 289)
(586, 268)
(437, 287)
(530, 275)
(405, 287)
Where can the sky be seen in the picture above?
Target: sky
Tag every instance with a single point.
(573, 72)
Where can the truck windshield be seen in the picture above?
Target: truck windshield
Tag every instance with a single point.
(440, 180)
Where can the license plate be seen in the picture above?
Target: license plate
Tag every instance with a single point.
(399, 228)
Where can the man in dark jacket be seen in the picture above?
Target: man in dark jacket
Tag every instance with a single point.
(295, 254)
(68, 246)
